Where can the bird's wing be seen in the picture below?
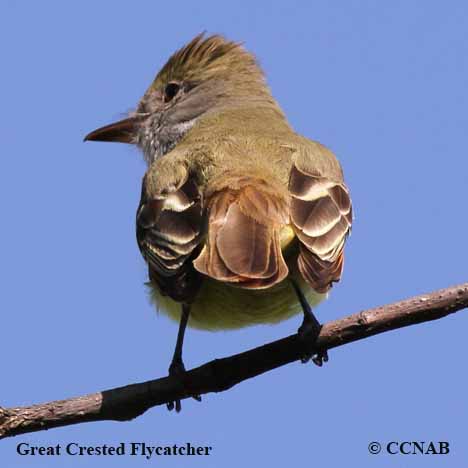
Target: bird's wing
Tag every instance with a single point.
(321, 215)
(168, 228)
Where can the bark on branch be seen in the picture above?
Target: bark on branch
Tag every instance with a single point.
(125, 403)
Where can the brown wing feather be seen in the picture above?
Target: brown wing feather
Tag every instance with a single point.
(321, 215)
(242, 246)
(168, 234)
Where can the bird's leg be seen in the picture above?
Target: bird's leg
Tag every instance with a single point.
(177, 367)
(310, 327)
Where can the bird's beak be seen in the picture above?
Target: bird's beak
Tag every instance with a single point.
(122, 131)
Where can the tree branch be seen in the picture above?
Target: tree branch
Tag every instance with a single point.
(125, 403)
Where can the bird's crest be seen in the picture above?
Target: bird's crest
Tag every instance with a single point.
(204, 58)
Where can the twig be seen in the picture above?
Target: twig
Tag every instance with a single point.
(125, 403)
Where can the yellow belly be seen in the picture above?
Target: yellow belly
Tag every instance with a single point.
(220, 306)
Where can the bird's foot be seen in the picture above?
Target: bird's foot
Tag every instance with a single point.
(177, 369)
(310, 331)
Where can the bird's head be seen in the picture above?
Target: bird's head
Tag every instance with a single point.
(206, 76)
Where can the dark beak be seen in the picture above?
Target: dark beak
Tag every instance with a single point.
(121, 132)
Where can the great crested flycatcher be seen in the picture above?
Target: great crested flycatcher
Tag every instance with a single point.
(241, 220)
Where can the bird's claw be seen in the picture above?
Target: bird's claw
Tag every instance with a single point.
(305, 332)
(176, 369)
(320, 358)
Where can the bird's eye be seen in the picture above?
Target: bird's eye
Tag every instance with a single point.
(170, 91)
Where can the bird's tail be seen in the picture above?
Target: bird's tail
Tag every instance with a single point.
(242, 246)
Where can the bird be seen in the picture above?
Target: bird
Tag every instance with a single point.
(242, 221)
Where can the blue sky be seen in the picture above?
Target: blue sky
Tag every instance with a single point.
(383, 84)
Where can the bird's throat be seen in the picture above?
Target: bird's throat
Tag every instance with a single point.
(156, 140)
